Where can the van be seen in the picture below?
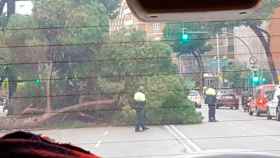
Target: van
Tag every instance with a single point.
(273, 108)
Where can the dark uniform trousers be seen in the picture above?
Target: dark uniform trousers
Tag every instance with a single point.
(212, 112)
(140, 115)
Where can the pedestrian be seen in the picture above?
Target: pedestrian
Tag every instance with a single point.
(140, 100)
(211, 101)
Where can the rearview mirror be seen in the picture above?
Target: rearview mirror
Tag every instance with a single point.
(191, 10)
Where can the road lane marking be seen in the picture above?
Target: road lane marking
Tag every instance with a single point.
(98, 144)
(189, 141)
(259, 133)
(100, 141)
(188, 149)
(106, 133)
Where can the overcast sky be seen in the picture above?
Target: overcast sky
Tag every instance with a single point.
(23, 7)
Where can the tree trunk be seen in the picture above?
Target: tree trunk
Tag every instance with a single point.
(201, 70)
(266, 45)
(49, 88)
(2, 4)
(201, 73)
(83, 89)
(37, 121)
(11, 7)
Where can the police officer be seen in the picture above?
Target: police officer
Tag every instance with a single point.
(211, 101)
(140, 100)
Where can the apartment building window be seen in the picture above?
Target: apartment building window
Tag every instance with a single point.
(156, 27)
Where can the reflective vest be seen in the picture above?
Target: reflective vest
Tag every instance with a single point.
(210, 91)
(139, 96)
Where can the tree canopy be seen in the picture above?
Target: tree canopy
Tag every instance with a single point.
(63, 58)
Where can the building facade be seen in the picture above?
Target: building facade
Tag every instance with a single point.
(126, 19)
(274, 30)
(224, 41)
(242, 53)
(187, 64)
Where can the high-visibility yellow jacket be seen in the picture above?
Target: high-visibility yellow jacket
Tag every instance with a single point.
(210, 91)
(139, 96)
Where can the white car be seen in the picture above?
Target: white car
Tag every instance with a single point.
(3, 104)
(195, 97)
(273, 109)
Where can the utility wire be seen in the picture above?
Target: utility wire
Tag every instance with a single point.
(55, 27)
(131, 59)
(127, 75)
(90, 43)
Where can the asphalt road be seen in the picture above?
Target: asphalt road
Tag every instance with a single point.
(235, 130)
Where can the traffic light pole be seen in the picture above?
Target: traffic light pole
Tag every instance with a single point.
(218, 59)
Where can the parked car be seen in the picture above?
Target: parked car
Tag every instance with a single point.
(3, 106)
(225, 92)
(195, 97)
(259, 103)
(273, 107)
(227, 100)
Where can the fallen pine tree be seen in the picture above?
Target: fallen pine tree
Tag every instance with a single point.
(32, 118)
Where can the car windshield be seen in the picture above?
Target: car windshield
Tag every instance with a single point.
(89, 73)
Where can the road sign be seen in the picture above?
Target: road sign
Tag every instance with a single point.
(253, 60)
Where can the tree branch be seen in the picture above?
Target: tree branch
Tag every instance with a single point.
(198, 58)
(36, 121)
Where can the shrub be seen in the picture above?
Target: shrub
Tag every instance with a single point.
(124, 117)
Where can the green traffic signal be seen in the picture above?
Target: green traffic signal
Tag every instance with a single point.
(256, 79)
(185, 38)
(38, 82)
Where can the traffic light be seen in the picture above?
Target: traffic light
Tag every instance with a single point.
(255, 78)
(38, 82)
(185, 37)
